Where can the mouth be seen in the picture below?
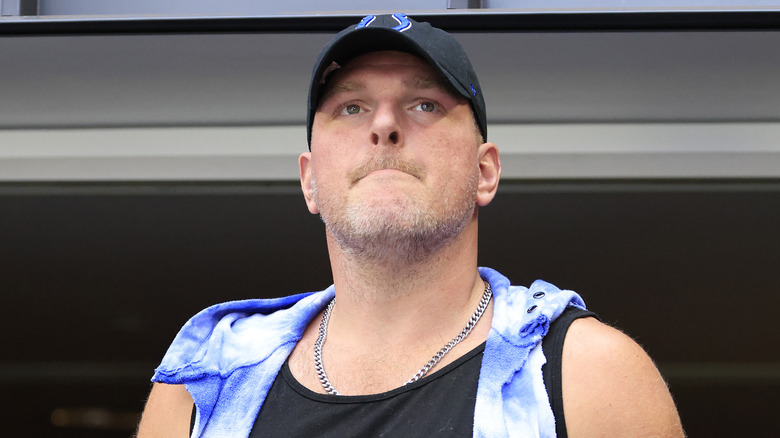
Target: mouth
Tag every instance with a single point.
(385, 165)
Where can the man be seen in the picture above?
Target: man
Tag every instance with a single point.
(412, 339)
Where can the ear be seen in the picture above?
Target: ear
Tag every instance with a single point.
(490, 173)
(304, 166)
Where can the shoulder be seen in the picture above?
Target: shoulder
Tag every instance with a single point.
(167, 412)
(611, 387)
(235, 334)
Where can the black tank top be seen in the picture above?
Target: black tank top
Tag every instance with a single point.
(428, 407)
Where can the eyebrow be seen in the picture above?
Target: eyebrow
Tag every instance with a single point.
(424, 83)
(419, 83)
(341, 87)
(344, 87)
(439, 83)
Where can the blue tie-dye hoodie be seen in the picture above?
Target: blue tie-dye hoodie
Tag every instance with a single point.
(228, 356)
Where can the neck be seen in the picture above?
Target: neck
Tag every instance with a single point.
(394, 305)
(391, 318)
(450, 271)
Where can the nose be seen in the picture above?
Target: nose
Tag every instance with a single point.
(386, 127)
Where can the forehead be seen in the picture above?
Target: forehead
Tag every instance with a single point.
(389, 63)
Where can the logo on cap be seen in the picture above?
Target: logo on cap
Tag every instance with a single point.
(366, 21)
(403, 22)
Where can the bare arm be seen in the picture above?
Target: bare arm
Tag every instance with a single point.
(611, 388)
(167, 413)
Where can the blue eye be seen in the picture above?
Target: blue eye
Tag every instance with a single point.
(351, 109)
(428, 107)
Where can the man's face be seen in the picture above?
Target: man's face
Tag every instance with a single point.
(394, 157)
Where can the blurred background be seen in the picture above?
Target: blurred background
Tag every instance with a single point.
(148, 169)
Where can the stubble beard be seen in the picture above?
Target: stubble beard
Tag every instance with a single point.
(403, 231)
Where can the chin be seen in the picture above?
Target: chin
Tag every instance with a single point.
(395, 231)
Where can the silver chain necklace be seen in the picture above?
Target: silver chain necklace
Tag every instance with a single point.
(424, 370)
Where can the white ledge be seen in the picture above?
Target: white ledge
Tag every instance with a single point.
(535, 151)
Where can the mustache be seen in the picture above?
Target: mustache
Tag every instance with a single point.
(382, 162)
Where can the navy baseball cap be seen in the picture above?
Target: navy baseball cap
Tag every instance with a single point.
(398, 32)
